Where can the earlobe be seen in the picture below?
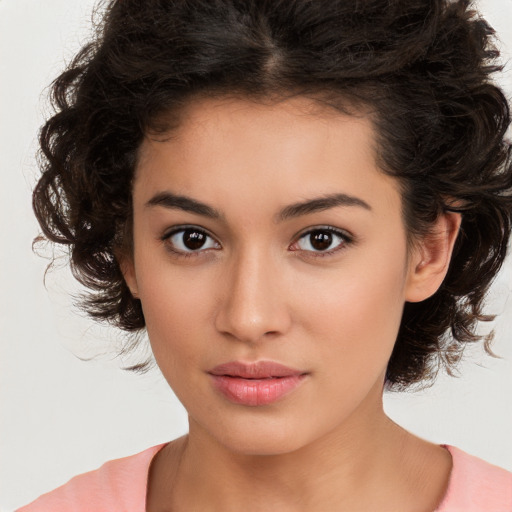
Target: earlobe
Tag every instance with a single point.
(431, 257)
(128, 270)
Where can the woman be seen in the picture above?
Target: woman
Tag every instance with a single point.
(301, 202)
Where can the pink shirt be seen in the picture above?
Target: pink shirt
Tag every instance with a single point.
(120, 486)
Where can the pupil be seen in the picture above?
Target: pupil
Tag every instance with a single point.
(193, 240)
(321, 240)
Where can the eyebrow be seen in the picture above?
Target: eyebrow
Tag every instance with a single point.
(321, 204)
(180, 202)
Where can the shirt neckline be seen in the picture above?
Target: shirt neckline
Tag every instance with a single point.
(155, 450)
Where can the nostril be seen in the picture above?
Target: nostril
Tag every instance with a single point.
(251, 318)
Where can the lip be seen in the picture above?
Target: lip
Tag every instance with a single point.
(254, 384)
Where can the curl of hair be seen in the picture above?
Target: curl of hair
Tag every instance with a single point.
(422, 69)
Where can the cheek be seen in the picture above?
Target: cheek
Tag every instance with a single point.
(177, 307)
(355, 316)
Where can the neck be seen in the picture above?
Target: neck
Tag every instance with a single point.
(365, 463)
(300, 480)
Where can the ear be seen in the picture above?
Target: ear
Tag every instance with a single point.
(128, 270)
(430, 258)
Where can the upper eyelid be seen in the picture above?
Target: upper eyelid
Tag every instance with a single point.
(342, 232)
(176, 229)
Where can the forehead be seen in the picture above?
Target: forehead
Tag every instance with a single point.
(286, 150)
(262, 119)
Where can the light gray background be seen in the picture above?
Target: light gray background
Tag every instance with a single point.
(61, 416)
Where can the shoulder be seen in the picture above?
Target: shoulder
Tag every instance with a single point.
(476, 486)
(119, 484)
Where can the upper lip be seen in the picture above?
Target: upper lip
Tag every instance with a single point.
(257, 370)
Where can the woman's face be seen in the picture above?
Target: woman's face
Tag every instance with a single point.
(266, 233)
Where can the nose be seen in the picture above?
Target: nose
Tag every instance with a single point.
(253, 306)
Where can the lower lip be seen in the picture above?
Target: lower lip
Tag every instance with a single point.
(254, 392)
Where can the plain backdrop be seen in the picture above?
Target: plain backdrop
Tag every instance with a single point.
(60, 415)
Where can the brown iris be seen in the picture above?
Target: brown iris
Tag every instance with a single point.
(193, 239)
(320, 240)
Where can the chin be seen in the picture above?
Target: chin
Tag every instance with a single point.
(252, 435)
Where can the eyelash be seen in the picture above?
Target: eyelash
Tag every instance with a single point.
(181, 253)
(346, 239)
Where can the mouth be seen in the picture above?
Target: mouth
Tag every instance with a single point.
(257, 370)
(255, 384)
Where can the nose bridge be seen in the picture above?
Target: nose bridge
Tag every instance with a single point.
(253, 304)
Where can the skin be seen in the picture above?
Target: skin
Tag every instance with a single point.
(258, 290)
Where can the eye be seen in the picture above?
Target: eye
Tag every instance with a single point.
(190, 240)
(321, 240)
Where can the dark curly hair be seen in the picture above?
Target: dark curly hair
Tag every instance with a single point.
(421, 68)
